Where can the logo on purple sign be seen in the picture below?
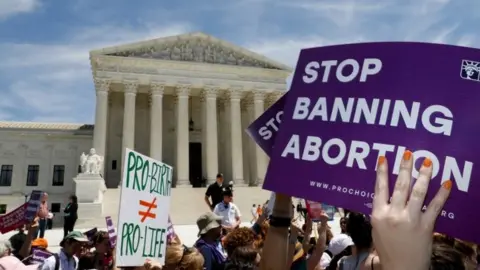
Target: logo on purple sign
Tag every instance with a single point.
(470, 70)
(350, 104)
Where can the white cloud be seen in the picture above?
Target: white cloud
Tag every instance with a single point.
(54, 83)
(12, 7)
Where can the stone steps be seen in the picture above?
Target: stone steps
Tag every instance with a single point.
(186, 205)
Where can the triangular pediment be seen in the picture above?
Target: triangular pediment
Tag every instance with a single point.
(193, 47)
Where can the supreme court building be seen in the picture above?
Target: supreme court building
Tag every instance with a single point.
(185, 100)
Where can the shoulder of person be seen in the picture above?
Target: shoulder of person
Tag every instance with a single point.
(216, 207)
(48, 263)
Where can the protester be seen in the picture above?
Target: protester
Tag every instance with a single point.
(343, 225)
(259, 210)
(102, 256)
(13, 263)
(70, 215)
(339, 244)
(243, 258)
(402, 232)
(215, 192)
(238, 238)
(5, 248)
(228, 211)
(66, 258)
(42, 215)
(444, 257)
(254, 213)
(360, 230)
(17, 240)
(179, 256)
(210, 229)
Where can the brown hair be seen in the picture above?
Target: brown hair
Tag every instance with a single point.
(445, 257)
(178, 256)
(443, 239)
(243, 258)
(238, 238)
(99, 237)
(260, 238)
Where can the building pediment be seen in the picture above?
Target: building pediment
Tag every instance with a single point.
(193, 47)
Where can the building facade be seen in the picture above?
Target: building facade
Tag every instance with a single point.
(185, 100)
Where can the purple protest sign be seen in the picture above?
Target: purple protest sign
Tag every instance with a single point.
(265, 128)
(33, 205)
(112, 234)
(90, 234)
(38, 256)
(378, 99)
(170, 231)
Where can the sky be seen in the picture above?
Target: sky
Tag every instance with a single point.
(45, 73)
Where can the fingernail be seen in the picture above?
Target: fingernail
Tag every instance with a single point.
(427, 162)
(381, 160)
(407, 155)
(447, 185)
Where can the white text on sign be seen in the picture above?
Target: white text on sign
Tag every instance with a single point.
(370, 66)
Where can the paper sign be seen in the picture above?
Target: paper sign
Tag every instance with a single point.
(380, 99)
(112, 234)
(13, 220)
(316, 209)
(144, 207)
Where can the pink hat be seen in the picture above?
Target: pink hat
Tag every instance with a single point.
(12, 263)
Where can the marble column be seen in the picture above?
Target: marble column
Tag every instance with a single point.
(101, 110)
(183, 155)
(156, 121)
(211, 133)
(19, 176)
(236, 137)
(260, 156)
(128, 140)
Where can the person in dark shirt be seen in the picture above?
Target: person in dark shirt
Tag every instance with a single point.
(70, 216)
(215, 192)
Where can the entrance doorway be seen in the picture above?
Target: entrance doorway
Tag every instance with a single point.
(195, 164)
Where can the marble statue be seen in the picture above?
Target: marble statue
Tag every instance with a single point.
(91, 163)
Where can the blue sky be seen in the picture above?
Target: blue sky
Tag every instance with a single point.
(44, 44)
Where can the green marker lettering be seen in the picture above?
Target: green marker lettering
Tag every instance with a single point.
(159, 241)
(130, 166)
(153, 180)
(145, 174)
(138, 167)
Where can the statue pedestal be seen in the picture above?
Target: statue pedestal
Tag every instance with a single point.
(89, 191)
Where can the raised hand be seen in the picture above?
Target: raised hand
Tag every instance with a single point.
(402, 234)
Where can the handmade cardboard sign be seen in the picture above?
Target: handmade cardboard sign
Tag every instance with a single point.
(144, 207)
(350, 104)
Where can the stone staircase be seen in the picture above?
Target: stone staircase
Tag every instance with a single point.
(186, 205)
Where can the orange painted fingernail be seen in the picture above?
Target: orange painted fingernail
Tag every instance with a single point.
(447, 185)
(407, 155)
(381, 160)
(427, 162)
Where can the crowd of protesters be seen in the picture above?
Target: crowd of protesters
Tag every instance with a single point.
(397, 236)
